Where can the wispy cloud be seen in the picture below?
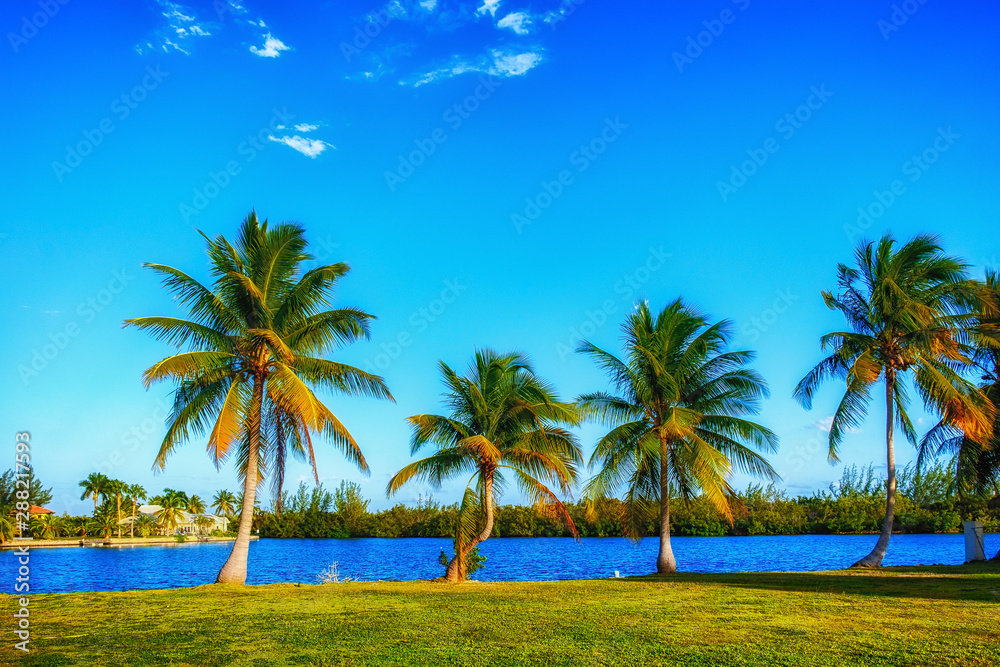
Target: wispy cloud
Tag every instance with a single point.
(308, 147)
(181, 25)
(272, 47)
(306, 127)
(500, 62)
(519, 22)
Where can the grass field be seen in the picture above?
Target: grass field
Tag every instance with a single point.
(945, 615)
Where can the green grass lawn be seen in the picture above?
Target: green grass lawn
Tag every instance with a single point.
(900, 616)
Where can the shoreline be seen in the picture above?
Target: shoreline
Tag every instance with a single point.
(113, 542)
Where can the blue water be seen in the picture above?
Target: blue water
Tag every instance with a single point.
(57, 570)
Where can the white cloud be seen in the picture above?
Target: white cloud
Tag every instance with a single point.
(305, 127)
(272, 47)
(489, 6)
(519, 22)
(500, 62)
(308, 147)
(429, 5)
(181, 25)
(259, 23)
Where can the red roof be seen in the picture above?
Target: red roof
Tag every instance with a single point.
(35, 509)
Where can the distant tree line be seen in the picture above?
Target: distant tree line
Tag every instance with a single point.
(928, 503)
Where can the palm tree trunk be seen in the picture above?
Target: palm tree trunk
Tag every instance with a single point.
(874, 559)
(118, 516)
(235, 569)
(456, 568)
(665, 563)
(131, 528)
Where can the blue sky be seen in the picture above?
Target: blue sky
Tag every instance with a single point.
(508, 174)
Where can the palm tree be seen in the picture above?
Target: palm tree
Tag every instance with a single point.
(96, 485)
(104, 522)
(906, 308)
(977, 462)
(223, 503)
(146, 524)
(6, 525)
(203, 522)
(196, 505)
(255, 345)
(116, 488)
(677, 421)
(170, 514)
(503, 417)
(46, 526)
(136, 493)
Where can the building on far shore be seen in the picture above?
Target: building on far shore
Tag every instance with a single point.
(35, 509)
(188, 523)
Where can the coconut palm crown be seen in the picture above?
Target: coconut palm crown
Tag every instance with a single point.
(252, 352)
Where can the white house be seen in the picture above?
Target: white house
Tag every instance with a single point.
(187, 524)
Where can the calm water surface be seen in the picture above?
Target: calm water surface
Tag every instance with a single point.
(57, 570)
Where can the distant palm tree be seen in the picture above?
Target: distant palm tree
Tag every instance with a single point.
(907, 310)
(116, 488)
(223, 503)
(503, 419)
(170, 514)
(678, 425)
(136, 493)
(146, 524)
(203, 522)
(46, 526)
(104, 522)
(255, 345)
(97, 486)
(195, 505)
(6, 525)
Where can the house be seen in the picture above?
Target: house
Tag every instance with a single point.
(35, 509)
(187, 524)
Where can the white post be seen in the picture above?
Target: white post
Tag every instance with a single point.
(974, 549)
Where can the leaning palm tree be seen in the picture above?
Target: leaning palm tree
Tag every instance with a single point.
(195, 505)
(223, 503)
(907, 310)
(255, 344)
(503, 420)
(677, 419)
(136, 493)
(97, 486)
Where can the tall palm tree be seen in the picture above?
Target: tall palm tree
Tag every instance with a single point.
(223, 503)
(503, 420)
(97, 486)
(907, 311)
(195, 505)
(136, 493)
(255, 344)
(677, 420)
(116, 488)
